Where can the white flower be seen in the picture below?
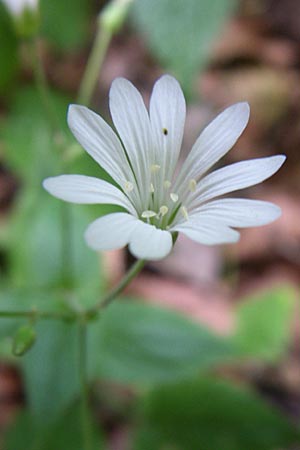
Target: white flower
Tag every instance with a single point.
(159, 203)
(17, 7)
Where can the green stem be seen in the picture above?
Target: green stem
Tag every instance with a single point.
(110, 296)
(94, 64)
(82, 368)
(42, 86)
(59, 138)
(34, 314)
(66, 244)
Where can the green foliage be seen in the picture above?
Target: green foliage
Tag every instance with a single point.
(144, 344)
(29, 147)
(51, 370)
(180, 32)
(8, 50)
(38, 224)
(65, 23)
(209, 414)
(25, 299)
(37, 254)
(63, 434)
(264, 323)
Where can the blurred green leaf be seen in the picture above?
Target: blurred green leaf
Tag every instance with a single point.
(264, 324)
(29, 146)
(51, 370)
(63, 434)
(8, 50)
(65, 24)
(141, 343)
(180, 32)
(38, 256)
(210, 414)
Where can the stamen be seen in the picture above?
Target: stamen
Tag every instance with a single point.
(167, 184)
(174, 197)
(163, 210)
(184, 212)
(155, 168)
(128, 186)
(192, 185)
(165, 131)
(151, 188)
(148, 214)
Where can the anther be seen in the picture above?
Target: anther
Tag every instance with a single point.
(163, 210)
(165, 131)
(167, 184)
(184, 212)
(174, 197)
(151, 188)
(192, 185)
(155, 168)
(148, 214)
(128, 186)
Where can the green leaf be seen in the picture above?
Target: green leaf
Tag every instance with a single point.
(65, 25)
(64, 434)
(29, 145)
(180, 32)
(51, 370)
(210, 414)
(39, 256)
(264, 324)
(8, 50)
(141, 343)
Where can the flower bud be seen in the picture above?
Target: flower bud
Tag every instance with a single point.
(114, 14)
(23, 340)
(25, 15)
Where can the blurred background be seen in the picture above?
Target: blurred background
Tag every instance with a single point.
(207, 358)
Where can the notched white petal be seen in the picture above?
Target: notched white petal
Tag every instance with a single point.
(110, 232)
(86, 190)
(132, 123)
(236, 176)
(148, 242)
(236, 212)
(100, 141)
(167, 116)
(208, 232)
(215, 141)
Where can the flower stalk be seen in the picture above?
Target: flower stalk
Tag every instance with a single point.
(95, 61)
(109, 22)
(110, 296)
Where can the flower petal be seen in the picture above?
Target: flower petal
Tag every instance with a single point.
(110, 232)
(214, 142)
(132, 122)
(148, 242)
(234, 177)
(100, 142)
(167, 116)
(237, 212)
(89, 190)
(209, 232)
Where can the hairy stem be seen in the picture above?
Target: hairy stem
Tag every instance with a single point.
(111, 295)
